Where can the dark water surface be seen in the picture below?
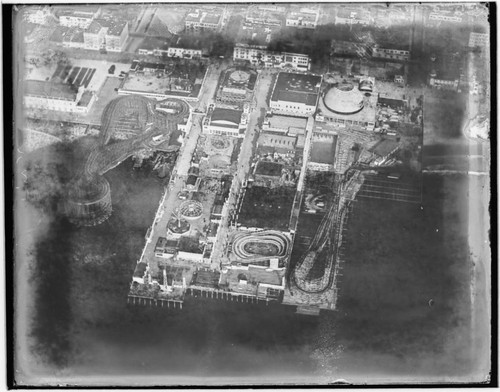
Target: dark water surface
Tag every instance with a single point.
(398, 257)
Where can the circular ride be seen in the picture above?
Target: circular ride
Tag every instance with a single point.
(178, 226)
(191, 209)
(219, 143)
(239, 77)
(256, 245)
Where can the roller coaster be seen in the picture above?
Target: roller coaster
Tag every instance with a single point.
(135, 117)
(315, 272)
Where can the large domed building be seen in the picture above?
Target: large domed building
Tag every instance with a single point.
(349, 103)
(344, 99)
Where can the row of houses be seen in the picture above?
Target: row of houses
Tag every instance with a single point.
(259, 55)
(186, 53)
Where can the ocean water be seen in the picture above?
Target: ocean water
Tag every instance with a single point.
(398, 257)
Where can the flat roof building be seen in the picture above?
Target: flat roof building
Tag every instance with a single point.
(106, 34)
(295, 94)
(259, 55)
(270, 143)
(200, 19)
(351, 16)
(153, 46)
(285, 124)
(78, 16)
(56, 96)
(305, 18)
(227, 122)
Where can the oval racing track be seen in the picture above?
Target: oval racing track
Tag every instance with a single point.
(241, 241)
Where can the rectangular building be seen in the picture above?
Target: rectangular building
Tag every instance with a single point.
(153, 47)
(295, 94)
(276, 143)
(285, 124)
(80, 17)
(305, 18)
(56, 96)
(184, 52)
(199, 19)
(445, 17)
(479, 39)
(227, 122)
(390, 54)
(352, 16)
(259, 55)
(106, 34)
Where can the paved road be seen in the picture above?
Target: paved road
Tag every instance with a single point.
(259, 103)
(169, 201)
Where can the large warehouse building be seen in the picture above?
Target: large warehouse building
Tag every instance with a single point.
(295, 94)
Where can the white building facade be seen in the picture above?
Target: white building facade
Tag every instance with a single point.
(260, 55)
(184, 52)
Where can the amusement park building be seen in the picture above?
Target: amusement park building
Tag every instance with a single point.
(348, 106)
(278, 143)
(285, 124)
(237, 86)
(259, 55)
(253, 281)
(295, 94)
(226, 122)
